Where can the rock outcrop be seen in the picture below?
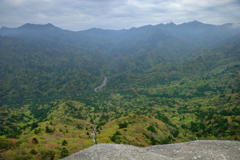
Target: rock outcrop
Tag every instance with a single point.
(115, 152)
(201, 150)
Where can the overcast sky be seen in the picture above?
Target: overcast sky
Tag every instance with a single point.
(116, 14)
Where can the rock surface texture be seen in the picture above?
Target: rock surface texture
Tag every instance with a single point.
(115, 152)
(200, 150)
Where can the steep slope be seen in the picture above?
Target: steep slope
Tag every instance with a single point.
(200, 64)
(44, 70)
(140, 49)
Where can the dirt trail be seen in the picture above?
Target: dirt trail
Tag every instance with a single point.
(102, 85)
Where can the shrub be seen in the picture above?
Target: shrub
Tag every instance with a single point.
(152, 129)
(117, 133)
(13, 135)
(22, 157)
(116, 136)
(17, 144)
(36, 131)
(35, 141)
(34, 125)
(146, 135)
(5, 143)
(79, 126)
(64, 153)
(123, 125)
(64, 143)
(33, 151)
(48, 130)
(47, 154)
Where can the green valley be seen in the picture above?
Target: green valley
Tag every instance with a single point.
(165, 84)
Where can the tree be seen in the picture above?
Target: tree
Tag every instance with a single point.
(115, 136)
(36, 131)
(5, 143)
(48, 130)
(35, 141)
(64, 153)
(123, 125)
(48, 154)
(34, 125)
(33, 151)
(64, 143)
(152, 129)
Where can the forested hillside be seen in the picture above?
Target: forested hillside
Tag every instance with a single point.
(165, 84)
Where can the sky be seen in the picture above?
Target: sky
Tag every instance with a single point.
(79, 15)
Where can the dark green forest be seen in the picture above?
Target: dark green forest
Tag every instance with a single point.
(165, 84)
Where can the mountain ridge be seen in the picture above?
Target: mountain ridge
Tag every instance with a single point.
(124, 51)
(165, 84)
(190, 23)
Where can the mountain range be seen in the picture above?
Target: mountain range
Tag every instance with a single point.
(165, 84)
(48, 50)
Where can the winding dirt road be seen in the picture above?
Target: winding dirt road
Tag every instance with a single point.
(102, 85)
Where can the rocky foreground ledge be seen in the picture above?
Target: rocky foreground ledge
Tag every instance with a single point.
(200, 150)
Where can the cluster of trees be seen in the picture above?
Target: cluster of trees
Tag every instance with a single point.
(5, 143)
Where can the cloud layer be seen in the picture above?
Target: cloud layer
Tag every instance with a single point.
(116, 14)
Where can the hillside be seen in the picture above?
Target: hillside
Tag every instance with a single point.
(46, 62)
(165, 84)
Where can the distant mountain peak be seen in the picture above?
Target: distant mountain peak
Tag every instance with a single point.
(27, 25)
(3, 27)
(95, 29)
(195, 21)
(37, 26)
(171, 24)
(50, 24)
(195, 24)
